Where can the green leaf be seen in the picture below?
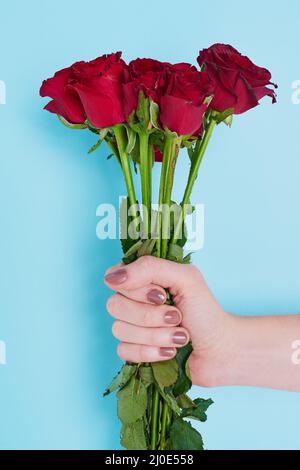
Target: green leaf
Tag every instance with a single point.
(121, 378)
(165, 372)
(146, 375)
(133, 436)
(132, 401)
(187, 259)
(133, 249)
(69, 125)
(154, 112)
(183, 383)
(95, 146)
(125, 220)
(131, 136)
(146, 248)
(184, 437)
(168, 396)
(220, 117)
(184, 401)
(143, 111)
(199, 410)
(175, 253)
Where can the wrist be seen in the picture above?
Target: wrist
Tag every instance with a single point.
(218, 365)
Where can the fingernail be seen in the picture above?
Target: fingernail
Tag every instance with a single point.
(167, 352)
(180, 338)
(172, 317)
(155, 296)
(116, 277)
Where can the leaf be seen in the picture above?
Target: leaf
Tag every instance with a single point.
(95, 146)
(168, 396)
(133, 436)
(199, 410)
(165, 372)
(146, 375)
(146, 248)
(187, 259)
(184, 401)
(175, 253)
(121, 378)
(133, 249)
(103, 132)
(183, 383)
(220, 117)
(132, 401)
(154, 112)
(69, 125)
(131, 136)
(125, 220)
(143, 112)
(184, 437)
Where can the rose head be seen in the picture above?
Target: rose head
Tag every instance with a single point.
(178, 89)
(91, 90)
(65, 101)
(182, 105)
(239, 83)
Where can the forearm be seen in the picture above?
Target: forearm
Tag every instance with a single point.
(258, 351)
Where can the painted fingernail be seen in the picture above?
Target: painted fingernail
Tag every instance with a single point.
(116, 277)
(180, 338)
(155, 296)
(172, 317)
(166, 352)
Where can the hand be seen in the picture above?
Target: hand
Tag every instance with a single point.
(150, 330)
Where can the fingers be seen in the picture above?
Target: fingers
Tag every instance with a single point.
(151, 294)
(149, 270)
(141, 314)
(140, 353)
(161, 337)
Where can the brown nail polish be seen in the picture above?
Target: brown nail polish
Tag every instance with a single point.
(116, 277)
(155, 296)
(166, 352)
(180, 338)
(172, 317)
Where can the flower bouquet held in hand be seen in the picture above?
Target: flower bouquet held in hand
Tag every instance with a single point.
(146, 112)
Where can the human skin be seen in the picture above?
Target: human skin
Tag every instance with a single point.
(227, 349)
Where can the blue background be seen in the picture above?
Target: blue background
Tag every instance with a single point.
(60, 353)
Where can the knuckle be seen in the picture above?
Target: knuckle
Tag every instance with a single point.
(193, 272)
(146, 262)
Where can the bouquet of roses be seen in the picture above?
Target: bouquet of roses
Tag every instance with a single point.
(146, 111)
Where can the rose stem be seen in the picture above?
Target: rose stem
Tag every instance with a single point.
(154, 418)
(145, 181)
(192, 177)
(120, 135)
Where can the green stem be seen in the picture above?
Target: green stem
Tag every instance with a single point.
(120, 134)
(145, 181)
(164, 423)
(172, 145)
(154, 418)
(192, 177)
(161, 197)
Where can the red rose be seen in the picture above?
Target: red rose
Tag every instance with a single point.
(145, 75)
(182, 104)
(92, 89)
(239, 83)
(65, 102)
(178, 89)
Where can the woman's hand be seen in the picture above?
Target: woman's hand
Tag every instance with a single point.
(150, 330)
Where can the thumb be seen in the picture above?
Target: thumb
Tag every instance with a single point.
(151, 270)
